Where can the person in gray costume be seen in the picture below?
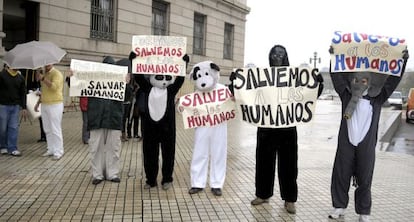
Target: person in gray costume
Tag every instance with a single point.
(362, 95)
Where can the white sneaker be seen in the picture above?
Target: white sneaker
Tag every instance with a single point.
(4, 151)
(47, 154)
(363, 218)
(337, 212)
(57, 157)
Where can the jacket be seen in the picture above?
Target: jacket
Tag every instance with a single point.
(104, 114)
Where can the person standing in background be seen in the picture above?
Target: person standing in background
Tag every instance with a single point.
(83, 104)
(129, 95)
(133, 121)
(32, 84)
(13, 96)
(52, 109)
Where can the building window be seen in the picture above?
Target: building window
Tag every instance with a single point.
(159, 18)
(228, 41)
(102, 19)
(199, 40)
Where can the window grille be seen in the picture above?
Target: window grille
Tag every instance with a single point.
(199, 34)
(102, 19)
(159, 18)
(228, 41)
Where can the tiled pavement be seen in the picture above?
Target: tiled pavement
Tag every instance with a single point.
(36, 188)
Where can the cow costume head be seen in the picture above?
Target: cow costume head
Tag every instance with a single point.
(205, 75)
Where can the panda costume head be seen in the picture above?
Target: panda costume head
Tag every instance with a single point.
(161, 81)
(205, 75)
(157, 98)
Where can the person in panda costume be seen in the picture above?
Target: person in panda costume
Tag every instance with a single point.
(158, 122)
(210, 142)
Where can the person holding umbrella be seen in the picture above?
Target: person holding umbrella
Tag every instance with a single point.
(51, 80)
(13, 96)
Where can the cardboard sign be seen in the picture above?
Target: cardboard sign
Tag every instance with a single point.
(93, 79)
(360, 52)
(207, 108)
(159, 55)
(276, 97)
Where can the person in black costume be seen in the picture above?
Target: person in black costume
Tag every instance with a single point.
(280, 143)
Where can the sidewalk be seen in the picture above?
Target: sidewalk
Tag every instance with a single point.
(36, 188)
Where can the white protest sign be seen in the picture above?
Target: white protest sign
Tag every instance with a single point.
(360, 52)
(93, 79)
(207, 108)
(276, 97)
(159, 55)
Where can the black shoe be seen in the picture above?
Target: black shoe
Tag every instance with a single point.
(194, 190)
(136, 136)
(216, 191)
(116, 180)
(96, 181)
(129, 136)
(41, 140)
(147, 186)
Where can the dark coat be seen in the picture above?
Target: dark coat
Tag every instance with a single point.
(104, 114)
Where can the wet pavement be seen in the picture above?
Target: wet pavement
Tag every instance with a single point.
(36, 188)
(403, 139)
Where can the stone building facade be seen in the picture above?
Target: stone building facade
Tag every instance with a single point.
(92, 29)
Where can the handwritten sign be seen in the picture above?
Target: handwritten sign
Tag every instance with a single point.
(159, 55)
(276, 97)
(92, 79)
(207, 108)
(360, 52)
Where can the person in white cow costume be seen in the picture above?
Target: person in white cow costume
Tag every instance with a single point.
(210, 142)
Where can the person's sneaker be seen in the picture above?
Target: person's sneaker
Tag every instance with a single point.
(259, 201)
(47, 154)
(363, 218)
(96, 181)
(216, 191)
(4, 151)
(116, 180)
(290, 207)
(57, 157)
(337, 213)
(166, 186)
(194, 190)
(16, 153)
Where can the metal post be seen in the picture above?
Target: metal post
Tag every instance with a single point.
(314, 59)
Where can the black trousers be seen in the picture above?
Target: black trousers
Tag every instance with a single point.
(281, 145)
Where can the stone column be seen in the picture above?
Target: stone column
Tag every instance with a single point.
(2, 34)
